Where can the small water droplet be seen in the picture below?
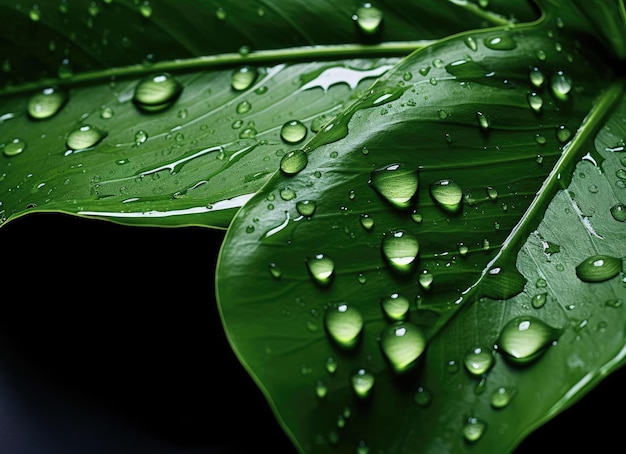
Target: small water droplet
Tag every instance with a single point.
(535, 101)
(362, 383)
(243, 78)
(321, 389)
(536, 77)
(396, 183)
(539, 300)
(422, 397)
(614, 303)
(106, 112)
(157, 92)
(85, 136)
(293, 162)
(447, 194)
(501, 42)
(525, 338)
(463, 249)
(330, 365)
(470, 42)
(275, 271)
(402, 344)
(478, 360)
(474, 429)
(560, 85)
(395, 306)
(243, 107)
(425, 279)
(367, 222)
(599, 268)
(563, 133)
(400, 248)
(306, 207)
(368, 19)
(483, 121)
(140, 137)
(322, 268)
(344, 324)
(287, 194)
(293, 131)
(65, 70)
(14, 147)
(618, 211)
(621, 174)
(46, 103)
(501, 397)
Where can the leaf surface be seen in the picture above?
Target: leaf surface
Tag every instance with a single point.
(427, 192)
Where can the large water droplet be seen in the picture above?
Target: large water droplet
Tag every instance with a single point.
(321, 268)
(478, 360)
(243, 78)
(563, 133)
(618, 212)
(396, 183)
(293, 131)
(447, 194)
(402, 344)
(539, 300)
(426, 279)
(536, 77)
(395, 306)
(367, 222)
(156, 93)
(344, 324)
(362, 383)
(306, 207)
(525, 338)
(368, 19)
(14, 147)
(293, 162)
(535, 101)
(474, 428)
(400, 248)
(501, 397)
(46, 103)
(599, 268)
(561, 85)
(85, 136)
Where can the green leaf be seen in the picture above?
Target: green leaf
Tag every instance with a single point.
(452, 159)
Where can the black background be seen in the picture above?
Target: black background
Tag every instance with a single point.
(110, 342)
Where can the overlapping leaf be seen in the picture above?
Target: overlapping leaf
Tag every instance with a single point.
(458, 150)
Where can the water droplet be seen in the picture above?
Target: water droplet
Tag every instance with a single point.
(501, 397)
(422, 397)
(145, 9)
(463, 249)
(156, 93)
(492, 193)
(400, 248)
(140, 137)
(293, 131)
(344, 324)
(501, 42)
(483, 121)
(330, 365)
(618, 212)
(402, 344)
(539, 300)
(525, 338)
(395, 183)
(395, 306)
(536, 77)
(478, 360)
(243, 107)
(599, 268)
(471, 43)
(560, 85)
(535, 101)
(368, 19)
(34, 14)
(563, 133)
(306, 207)
(106, 112)
(65, 70)
(293, 162)
(14, 147)
(426, 279)
(46, 103)
(614, 303)
(85, 136)
(275, 271)
(447, 194)
(287, 194)
(367, 222)
(362, 383)
(321, 268)
(417, 217)
(474, 428)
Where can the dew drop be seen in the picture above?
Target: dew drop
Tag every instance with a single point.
(478, 360)
(395, 306)
(306, 207)
(243, 107)
(422, 397)
(330, 365)
(85, 136)
(400, 248)
(46, 103)
(362, 383)
(535, 101)
(395, 183)
(536, 77)
(599, 268)
(275, 271)
(287, 194)
(243, 78)
(471, 43)
(502, 42)
(293, 131)
(501, 397)
(447, 194)
(560, 84)
(463, 249)
(618, 212)
(492, 193)
(344, 324)
(140, 137)
(321, 268)
(367, 222)
(621, 174)
(368, 19)
(525, 338)
(156, 93)
(541, 140)
(483, 121)
(539, 300)
(293, 162)
(425, 279)
(402, 344)
(14, 147)
(473, 429)
(321, 389)
(563, 133)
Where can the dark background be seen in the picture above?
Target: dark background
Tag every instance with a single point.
(110, 342)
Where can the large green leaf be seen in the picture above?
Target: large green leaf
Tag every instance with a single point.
(198, 160)
(459, 149)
